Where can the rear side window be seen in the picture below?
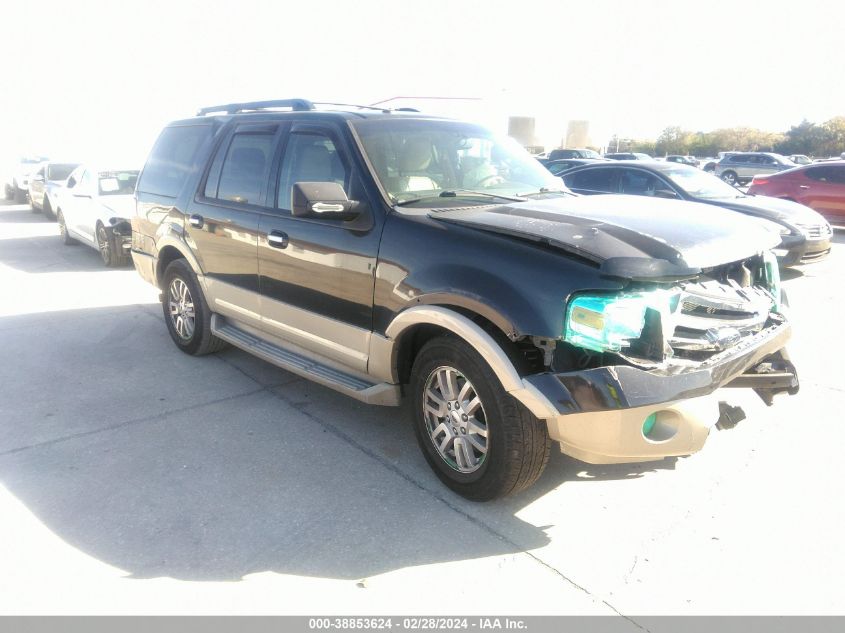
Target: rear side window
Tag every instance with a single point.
(243, 175)
(830, 173)
(170, 161)
(591, 181)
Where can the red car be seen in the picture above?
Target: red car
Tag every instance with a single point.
(820, 186)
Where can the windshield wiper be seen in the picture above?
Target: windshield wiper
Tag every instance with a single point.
(543, 190)
(454, 193)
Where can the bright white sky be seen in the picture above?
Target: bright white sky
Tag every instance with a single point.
(93, 79)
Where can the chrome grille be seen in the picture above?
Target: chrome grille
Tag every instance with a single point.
(816, 231)
(713, 316)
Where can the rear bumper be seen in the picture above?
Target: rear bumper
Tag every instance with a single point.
(145, 265)
(597, 415)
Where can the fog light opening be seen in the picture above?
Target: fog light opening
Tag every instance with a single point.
(660, 426)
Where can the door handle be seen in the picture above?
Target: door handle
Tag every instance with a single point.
(196, 220)
(277, 239)
(803, 186)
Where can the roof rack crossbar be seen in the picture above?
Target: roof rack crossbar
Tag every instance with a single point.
(234, 108)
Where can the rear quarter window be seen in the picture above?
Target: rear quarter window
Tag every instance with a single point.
(592, 181)
(170, 161)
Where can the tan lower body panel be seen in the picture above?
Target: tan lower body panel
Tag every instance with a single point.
(616, 437)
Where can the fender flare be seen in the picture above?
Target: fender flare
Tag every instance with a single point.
(172, 236)
(475, 336)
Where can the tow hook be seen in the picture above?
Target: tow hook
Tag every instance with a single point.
(729, 416)
(773, 375)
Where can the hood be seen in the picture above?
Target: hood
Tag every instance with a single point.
(122, 206)
(628, 236)
(774, 209)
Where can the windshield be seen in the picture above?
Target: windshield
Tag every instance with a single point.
(700, 184)
(117, 183)
(418, 160)
(58, 171)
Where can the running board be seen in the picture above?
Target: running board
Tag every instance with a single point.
(372, 393)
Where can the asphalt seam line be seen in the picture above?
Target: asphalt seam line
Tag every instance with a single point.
(149, 418)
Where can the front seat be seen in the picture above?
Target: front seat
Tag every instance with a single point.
(412, 164)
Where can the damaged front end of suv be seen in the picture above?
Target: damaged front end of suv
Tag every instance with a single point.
(653, 355)
(696, 306)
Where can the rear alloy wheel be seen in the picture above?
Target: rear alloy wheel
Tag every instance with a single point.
(729, 177)
(109, 248)
(186, 313)
(479, 440)
(66, 239)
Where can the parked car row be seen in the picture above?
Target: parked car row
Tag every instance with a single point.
(805, 236)
(92, 204)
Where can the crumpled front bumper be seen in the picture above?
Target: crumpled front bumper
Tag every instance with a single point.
(598, 415)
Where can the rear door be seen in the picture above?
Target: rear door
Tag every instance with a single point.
(36, 186)
(222, 222)
(80, 202)
(316, 275)
(823, 189)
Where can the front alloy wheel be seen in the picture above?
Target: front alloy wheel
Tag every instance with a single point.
(455, 419)
(479, 441)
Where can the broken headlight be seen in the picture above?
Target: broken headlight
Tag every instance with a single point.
(611, 323)
(771, 278)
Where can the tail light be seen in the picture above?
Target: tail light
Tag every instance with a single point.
(757, 180)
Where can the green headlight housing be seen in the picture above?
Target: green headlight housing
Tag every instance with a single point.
(771, 273)
(610, 323)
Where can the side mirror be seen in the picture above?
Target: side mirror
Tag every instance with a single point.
(71, 182)
(322, 200)
(665, 193)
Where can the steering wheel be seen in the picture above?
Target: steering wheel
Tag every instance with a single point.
(489, 178)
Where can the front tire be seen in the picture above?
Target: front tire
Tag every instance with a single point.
(186, 313)
(47, 209)
(109, 249)
(479, 441)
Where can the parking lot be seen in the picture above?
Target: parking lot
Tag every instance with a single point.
(137, 479)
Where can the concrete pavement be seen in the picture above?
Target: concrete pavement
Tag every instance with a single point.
(136, 479)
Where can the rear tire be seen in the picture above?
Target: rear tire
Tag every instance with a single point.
(504, 447)
(47, 209)
(729, 177)
(67, 240)
(186, 313)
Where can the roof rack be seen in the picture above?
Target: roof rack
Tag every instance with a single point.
(234, 108)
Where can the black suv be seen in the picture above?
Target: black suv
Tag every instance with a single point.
(388, 254)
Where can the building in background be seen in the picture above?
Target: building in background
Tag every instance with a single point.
(522, 129)
(577, 134)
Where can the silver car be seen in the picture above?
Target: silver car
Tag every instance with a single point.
(741, 167)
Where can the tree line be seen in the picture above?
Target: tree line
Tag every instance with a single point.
(813, 139)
